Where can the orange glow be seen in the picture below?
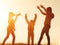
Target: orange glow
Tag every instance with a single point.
(29, 7)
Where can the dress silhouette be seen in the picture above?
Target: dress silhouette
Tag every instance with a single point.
(31, 25)
(11, 27)
(47, 24)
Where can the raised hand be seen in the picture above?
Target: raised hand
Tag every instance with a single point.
(42, 6)
(38, 7)
(26, 18)
(18, 14)
(26, 15)
(36, 15)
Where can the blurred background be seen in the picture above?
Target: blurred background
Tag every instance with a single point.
(29, 7)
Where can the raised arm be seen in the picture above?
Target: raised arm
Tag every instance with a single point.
(26, 18)
(35, 18)
(17, 16)
(43, 7)
(40, 10)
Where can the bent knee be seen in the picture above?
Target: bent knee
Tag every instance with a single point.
(14, 37)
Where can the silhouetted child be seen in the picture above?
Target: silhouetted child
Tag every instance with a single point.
(47, 24)
(11, 27)
(31, 25)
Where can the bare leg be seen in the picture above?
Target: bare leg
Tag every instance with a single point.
(6, 38)
(28, 38)
(32, 37)
(42, 33)
(48, 38)
(13, 41)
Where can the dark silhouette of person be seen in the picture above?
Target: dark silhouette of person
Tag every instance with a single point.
(31, 25)
(47, 24)
(11, 27)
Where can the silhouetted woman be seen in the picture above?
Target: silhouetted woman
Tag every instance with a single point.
(47, 24)
(11, 27)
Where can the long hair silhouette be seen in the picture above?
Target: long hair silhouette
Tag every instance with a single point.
(11, 27)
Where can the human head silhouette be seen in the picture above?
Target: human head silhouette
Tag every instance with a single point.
(31, 20)
(11, 14)
(49, 9)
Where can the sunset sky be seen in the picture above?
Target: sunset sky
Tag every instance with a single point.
(29, 7)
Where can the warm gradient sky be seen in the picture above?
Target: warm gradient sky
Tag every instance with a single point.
(29, 6)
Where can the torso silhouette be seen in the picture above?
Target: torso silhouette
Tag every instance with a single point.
(31, 26)
(11, 25)
(48, 18)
